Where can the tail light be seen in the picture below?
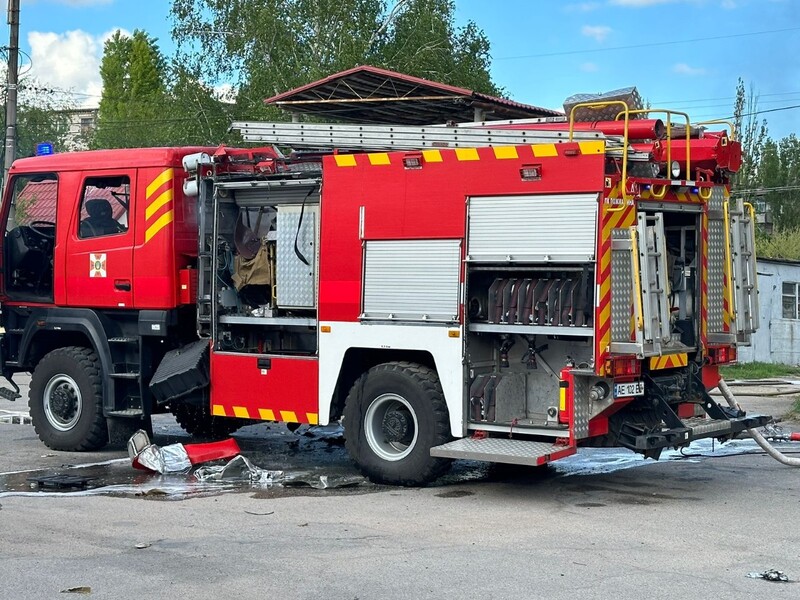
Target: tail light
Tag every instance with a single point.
(623, 366)
(722, 354)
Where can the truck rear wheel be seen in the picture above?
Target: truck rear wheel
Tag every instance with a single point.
(66, 400)
(394, 414)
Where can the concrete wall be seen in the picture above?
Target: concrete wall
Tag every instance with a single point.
(778, 339)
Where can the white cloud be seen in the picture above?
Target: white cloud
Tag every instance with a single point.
(597, 32)
(69, 61)
(582, 7)
(684, 69)
(589, 67)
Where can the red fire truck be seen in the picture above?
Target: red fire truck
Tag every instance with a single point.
(502, 292)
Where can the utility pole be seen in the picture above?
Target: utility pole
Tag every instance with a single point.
(11, 87)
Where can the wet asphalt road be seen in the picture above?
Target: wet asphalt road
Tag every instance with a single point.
(601, 525)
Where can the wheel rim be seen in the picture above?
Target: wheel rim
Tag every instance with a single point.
(63, 403)
(390, 426)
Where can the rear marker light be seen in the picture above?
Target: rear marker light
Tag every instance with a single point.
(412, 162)
(531, 172)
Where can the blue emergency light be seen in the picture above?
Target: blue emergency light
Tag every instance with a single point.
(44, 148)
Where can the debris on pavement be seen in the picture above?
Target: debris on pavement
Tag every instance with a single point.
(82, 589)
(142, 545)
(238, 469)
(59, 481)
(176, 458)
(323, 482)
(769, 575)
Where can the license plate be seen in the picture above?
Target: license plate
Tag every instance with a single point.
(632, 388)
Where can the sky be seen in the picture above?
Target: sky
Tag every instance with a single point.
(680, 54)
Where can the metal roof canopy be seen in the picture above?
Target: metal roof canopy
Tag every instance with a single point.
(368, 94)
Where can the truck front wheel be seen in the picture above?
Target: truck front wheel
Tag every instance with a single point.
(394, 414)
(66, 400)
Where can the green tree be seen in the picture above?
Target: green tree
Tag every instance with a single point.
(133, 72)
(779, 180)
(43, 115)
(147, 101)
(752, 133)
(264, 47)
(424, 41)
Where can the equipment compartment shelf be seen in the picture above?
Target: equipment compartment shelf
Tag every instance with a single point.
(531, 329)
(284, 321)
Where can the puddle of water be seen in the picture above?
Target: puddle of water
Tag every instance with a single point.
(314, 461)
(590, 461)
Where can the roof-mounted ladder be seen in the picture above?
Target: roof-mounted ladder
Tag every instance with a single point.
(391, 137)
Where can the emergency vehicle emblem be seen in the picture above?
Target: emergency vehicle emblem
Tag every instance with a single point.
(97, 265)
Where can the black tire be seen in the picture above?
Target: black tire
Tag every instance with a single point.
(197, 421)
(394, 414)
(66, 400)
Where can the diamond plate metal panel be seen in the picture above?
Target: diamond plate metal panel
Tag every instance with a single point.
(295, 280)
(412, 279)
(546, 228)
(582, 406)
(716, 263)
(621, 286)
(518, 452)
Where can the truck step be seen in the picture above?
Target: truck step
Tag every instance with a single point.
(516, 452)
(128, 413)
(9, 394)
(123, 340)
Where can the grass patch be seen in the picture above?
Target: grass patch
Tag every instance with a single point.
(794, 414)
(759, 370)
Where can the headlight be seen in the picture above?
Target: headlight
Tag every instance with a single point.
(676, 169)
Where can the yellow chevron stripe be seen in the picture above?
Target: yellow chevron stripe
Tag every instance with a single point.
(379, 158)
(218, 410)
(266, 414)
(165, 197)
(158, 225)
(432, 156)
(345, 160)
(593, 147)
(163, 178)
(544, 150)
(289, 416)
(467, 154)
(313, 418)
(241, 412)
(670, 361)
(504, 152)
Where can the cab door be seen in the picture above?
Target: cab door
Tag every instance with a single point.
(99, 261)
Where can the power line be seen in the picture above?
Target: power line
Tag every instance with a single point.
(650, 45)
(683, 101)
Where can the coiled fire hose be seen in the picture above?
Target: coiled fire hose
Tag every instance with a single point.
(760, 439)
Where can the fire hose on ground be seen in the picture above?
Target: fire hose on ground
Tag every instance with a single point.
(760, 439)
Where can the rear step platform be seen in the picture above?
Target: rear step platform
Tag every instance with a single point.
(515, 452)
(639, 439)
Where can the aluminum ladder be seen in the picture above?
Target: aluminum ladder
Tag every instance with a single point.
(400, 137)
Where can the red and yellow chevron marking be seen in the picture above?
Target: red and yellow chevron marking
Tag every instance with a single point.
(264, 414)
(670, 361)
(611, 218)
(158, 198)
(704, 281)
(377, 159)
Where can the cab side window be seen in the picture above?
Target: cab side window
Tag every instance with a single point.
(104, 206)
